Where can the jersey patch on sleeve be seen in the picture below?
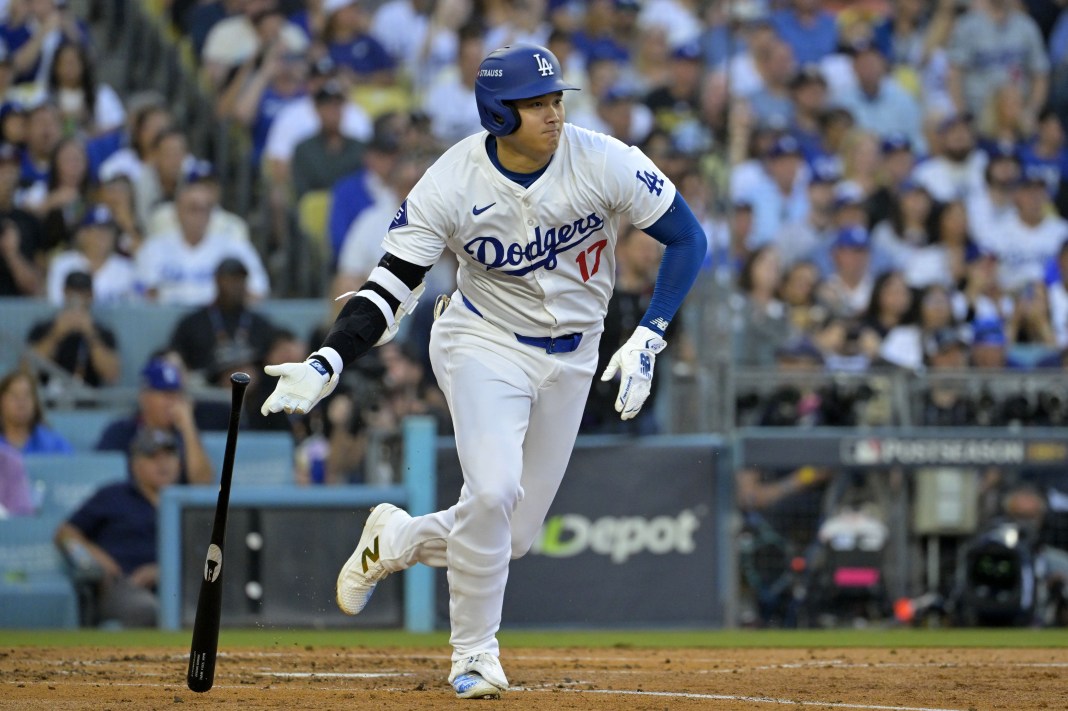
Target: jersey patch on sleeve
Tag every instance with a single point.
(401, 218)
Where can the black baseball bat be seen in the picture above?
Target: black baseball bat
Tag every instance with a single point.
(205, 646)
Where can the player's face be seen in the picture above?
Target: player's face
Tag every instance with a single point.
(541, 122)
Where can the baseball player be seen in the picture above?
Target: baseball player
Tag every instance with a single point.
(531, 207)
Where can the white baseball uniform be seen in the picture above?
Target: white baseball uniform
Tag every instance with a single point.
(535, 264)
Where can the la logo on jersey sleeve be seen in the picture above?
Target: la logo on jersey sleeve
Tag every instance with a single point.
(401, 218)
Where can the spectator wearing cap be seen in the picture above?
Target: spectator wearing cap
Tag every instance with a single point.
(450, 97)
(809, 29)
(323, 158)
(299, 120)
(22, 417)
(773, 103)
(65, 202)
(162, 404)
(164, 217)
(778, 191)
(877, 101)
(677, 103)
(117, 527)
(992, 44)
(22, 252)
(847, 289)
(956, 170)
(225, 332)
(989, 206)
(1028, 237)
(178, 266)
(246, 35)
(74, 341)
(94, 251)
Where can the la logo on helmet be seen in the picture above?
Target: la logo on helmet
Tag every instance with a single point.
(545, 67)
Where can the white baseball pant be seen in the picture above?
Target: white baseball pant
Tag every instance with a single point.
(516, 411)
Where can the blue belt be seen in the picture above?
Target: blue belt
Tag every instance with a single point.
(560, 344)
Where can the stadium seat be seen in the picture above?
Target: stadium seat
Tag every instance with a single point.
(140, 329)
(63, 481)
(82, 428)
(35, 591)
(262, 458)
(312, 213)
(17, 316)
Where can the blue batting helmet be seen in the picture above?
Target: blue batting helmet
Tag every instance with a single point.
(517, 71)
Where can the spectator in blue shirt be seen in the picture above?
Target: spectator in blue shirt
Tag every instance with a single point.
(350, 43)
(22, 424)
(117, 528)
(163, 405)
(32, 33)
(809, 29)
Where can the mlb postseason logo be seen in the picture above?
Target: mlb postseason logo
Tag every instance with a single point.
(545, 67)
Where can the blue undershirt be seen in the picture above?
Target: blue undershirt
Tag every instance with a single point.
(684, 240)
(677, 229)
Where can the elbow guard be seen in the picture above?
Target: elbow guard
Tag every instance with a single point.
(391, 296)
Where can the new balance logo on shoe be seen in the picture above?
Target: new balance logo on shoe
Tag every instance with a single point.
(369, 555)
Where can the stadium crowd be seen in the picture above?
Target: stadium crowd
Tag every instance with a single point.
(883, 182)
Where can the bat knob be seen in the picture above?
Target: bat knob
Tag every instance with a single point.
(240, 379)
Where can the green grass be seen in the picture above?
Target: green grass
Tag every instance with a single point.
(267, 638)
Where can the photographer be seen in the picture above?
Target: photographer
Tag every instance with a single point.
(75, 342)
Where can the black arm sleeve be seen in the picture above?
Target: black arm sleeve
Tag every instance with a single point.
(360, 324)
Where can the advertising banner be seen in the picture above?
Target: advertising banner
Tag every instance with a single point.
(632, 539)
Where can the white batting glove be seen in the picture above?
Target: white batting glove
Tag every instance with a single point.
(634, 362)
(300, 387)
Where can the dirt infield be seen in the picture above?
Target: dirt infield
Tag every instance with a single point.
(326, 678)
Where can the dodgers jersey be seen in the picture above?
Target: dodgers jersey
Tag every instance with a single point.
(539, 261)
